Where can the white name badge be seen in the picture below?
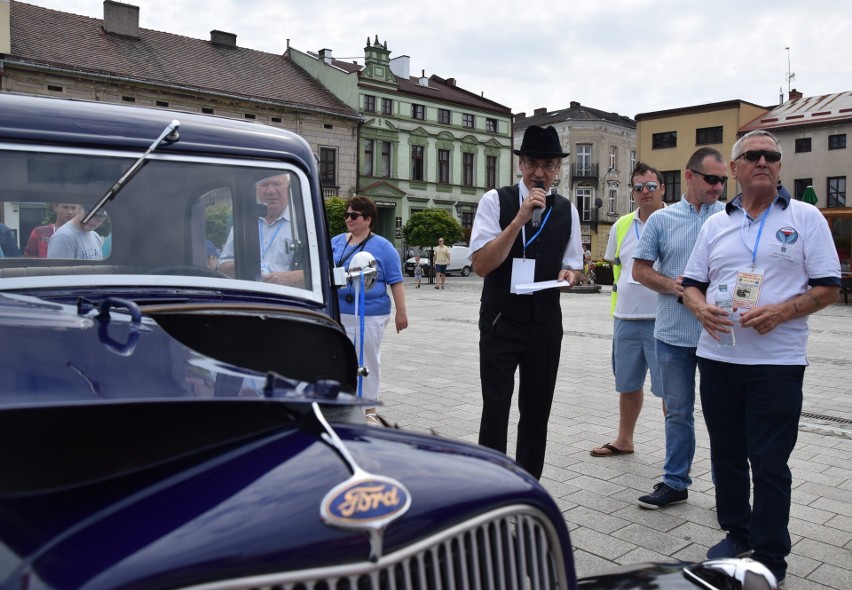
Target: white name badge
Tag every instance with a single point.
(747, 290)
(523, 271)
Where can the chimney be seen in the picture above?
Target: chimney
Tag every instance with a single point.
(121, 19)
(540, 111)
(520, 117)
(424, 81)
(451, 81)
(325, 55)
(222, 38)
(401, 67)
(574, 104)
(5, 28)
(795, 94)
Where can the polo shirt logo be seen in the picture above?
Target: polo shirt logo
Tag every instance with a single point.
(787, 236)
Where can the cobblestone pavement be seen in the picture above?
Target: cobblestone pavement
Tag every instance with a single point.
(430, 381)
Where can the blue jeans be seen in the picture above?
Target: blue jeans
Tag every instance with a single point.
(677, 369)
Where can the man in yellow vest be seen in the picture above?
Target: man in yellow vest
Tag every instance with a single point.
(634, 309)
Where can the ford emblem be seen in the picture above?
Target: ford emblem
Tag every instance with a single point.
(368, 502)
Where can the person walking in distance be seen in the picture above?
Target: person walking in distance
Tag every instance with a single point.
(442, 259)
(634, 308)
(778, 256)
(667, 242)
(520, 332)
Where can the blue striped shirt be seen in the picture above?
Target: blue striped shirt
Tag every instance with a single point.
(669, 237)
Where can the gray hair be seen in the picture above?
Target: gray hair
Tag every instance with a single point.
(738, 150)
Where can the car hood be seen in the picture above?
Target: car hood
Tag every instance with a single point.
(117, 496)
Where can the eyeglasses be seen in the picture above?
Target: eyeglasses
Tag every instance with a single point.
(352, 215)
(755, 155)
(711, 178)
(651, 186)
(547, 166)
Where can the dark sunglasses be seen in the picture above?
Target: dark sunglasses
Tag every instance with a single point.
(651, 186)
(754, 155)
(711, 178)
(352, 215)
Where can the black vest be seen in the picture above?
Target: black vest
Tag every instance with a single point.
(547, 250)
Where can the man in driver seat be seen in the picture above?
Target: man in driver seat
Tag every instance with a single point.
(275, 228)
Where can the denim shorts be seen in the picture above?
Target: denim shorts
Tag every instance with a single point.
(633, 355)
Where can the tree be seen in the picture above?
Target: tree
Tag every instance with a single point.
(425, 227)
(335, 207)
(218, 222)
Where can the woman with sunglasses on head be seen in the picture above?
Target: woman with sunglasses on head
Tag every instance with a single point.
(361, 216)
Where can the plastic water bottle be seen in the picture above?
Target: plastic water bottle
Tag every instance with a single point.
(726, 302)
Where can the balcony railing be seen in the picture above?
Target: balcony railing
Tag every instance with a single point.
(579, 170)
(330, 191)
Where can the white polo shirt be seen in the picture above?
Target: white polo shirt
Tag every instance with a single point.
(795, 249)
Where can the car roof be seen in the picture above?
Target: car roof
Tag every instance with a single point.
(36, 119)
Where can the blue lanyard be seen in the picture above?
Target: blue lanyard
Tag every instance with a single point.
(540, 228)
(636, 227)
(264, 250)
(759, 232)
(359, 306)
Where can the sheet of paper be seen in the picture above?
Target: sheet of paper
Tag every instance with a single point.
(524, 288)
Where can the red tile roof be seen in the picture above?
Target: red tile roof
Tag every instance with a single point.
(811, 110)
(45, 37)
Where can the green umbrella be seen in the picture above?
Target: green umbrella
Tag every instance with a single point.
(810, 196)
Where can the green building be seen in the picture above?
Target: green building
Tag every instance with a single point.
(423, 141)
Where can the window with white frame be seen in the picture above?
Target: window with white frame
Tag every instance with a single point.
(369, 147)
(613, 157)
(613, 197)
(584, 201)
(632, 161)
(584, 159)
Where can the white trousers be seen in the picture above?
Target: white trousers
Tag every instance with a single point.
(374, 331)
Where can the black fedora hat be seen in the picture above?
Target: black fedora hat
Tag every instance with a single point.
(541, 142)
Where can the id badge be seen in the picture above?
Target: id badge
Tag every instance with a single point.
(747, 289)
(523, 271)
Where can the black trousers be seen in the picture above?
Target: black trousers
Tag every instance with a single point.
(752, 414)
(533, 349)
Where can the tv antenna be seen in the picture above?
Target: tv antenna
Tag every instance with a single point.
(790, 75)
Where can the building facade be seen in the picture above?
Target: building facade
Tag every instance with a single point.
(425, 142)
(666, 139)
(596, 174)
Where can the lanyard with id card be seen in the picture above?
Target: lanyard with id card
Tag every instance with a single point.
(747, 289)
(523, 269)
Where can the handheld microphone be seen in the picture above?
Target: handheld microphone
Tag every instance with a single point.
(536, 218)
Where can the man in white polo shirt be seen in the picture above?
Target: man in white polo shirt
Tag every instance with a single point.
(778, 258)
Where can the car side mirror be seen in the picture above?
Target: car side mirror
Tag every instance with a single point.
(363, 265)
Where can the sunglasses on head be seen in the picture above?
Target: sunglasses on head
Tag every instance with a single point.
(754, 155)
(651, 186)
(711, 178)
(352, 215)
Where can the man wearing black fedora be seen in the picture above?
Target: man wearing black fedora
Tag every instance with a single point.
(511, 244)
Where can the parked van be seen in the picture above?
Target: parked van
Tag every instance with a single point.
(458, 262)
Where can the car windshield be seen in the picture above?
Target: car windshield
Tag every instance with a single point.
(181, 221)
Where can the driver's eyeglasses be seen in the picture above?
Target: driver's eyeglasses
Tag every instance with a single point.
(651, 186)
(352, 215)
(547, 166)
(755, 155)
(711, 178)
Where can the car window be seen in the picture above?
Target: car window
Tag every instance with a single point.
(200, 219)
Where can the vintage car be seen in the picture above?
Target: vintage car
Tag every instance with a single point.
(171, 421)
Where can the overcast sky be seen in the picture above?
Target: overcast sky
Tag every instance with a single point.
(624, 56)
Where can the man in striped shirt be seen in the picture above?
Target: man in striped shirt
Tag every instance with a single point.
(669, 236)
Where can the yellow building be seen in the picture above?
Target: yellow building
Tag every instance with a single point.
(666, 139)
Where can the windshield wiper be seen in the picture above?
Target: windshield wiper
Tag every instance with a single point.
(170, 133)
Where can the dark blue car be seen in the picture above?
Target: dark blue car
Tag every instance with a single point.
(174, 419)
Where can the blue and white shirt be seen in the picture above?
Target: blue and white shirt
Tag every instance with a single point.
(668, 238)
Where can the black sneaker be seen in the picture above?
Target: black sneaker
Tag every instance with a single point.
(729, 547)
(663, 496)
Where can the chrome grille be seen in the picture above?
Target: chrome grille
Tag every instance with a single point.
(512, 548)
